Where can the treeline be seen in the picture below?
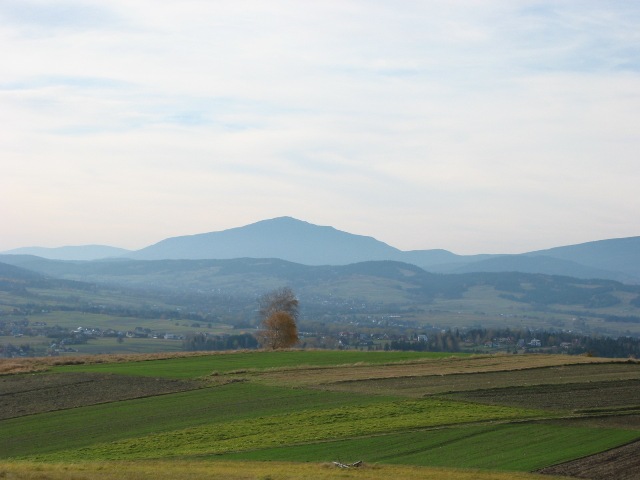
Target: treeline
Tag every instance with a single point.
(621, 347)
(204, 342)
(515, 341)
(440, 342)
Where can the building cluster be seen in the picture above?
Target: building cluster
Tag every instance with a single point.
(62, 339)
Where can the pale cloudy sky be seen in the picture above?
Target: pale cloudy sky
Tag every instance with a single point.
(475, 126)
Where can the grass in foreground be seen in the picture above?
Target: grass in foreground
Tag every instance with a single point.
(249, 418)
(523, 447)
(82, 427)
(296, 426)
(196, 470)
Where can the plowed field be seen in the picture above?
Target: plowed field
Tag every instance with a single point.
(37, 393)
(620, 464)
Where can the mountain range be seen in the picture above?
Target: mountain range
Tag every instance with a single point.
(304, 243)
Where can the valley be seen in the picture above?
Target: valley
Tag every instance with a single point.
(70, 308)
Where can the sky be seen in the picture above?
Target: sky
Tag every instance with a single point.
(473, 126)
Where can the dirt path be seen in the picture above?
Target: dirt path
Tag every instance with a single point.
(38, 393)
(620, 464)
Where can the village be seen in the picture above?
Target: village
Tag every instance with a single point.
(21, 337)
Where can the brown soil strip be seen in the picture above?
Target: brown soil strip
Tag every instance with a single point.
(625, 422)
(621, 396)
(418, 386)
(37, 393)
(621, 463)
(316, 376)
(10, 366)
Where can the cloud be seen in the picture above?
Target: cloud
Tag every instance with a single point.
(46, 16)
(511, 120)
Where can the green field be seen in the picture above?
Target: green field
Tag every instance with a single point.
(193, 367)
(71, 319)
(494, 447)
(106, 345)
(384, 408)
(297, 425)
(202, 408)
(128, 345)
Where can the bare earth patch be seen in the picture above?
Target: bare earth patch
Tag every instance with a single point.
(11, 366)
(621, 463)
(37, 393)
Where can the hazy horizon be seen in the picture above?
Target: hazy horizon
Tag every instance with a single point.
(72, 246)
(474, 127)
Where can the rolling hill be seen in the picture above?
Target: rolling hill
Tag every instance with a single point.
(366, 292)
(545, 264)
(617, 254)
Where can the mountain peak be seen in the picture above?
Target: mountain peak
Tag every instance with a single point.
(284, 237)
(286, 221)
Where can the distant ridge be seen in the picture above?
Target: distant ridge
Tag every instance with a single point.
(301, 242)
(528, 263)
(82, 252)
(619, 254)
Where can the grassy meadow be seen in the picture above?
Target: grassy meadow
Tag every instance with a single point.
(290, 414)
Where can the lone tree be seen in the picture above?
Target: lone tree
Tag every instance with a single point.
(278, 316)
